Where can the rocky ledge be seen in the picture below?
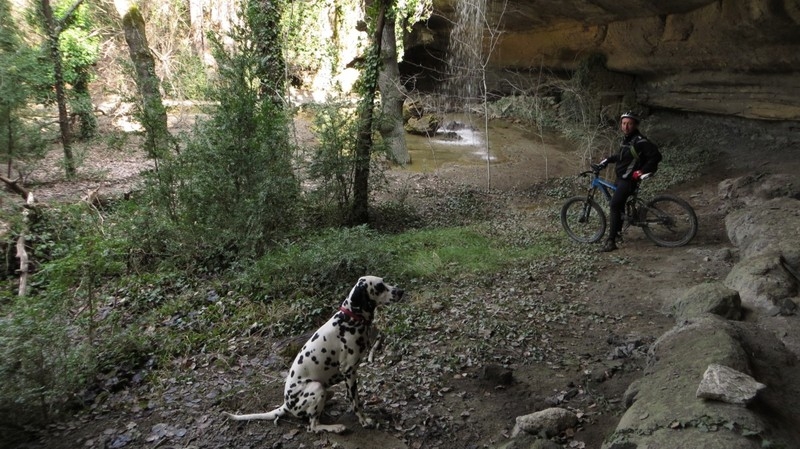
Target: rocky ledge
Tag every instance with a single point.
(729, 57)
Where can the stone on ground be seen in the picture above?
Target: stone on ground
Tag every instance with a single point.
(721, 383)
(547, 422)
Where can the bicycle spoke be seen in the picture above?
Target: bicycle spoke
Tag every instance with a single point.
(583, 221)
(670, 221)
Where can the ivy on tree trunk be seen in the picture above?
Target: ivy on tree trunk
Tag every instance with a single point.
(392, 95)
(154, 115)
(360, 211)
(53, 31)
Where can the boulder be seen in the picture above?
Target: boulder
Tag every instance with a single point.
(721, 383)
(548, 422)
(710, 297)
(755, 189)
(426, 125)
(768, 226)
(764, 282)
(767, 235)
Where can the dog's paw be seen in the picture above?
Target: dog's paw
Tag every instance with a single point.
(333, 428)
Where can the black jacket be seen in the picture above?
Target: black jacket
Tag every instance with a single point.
(626, 163)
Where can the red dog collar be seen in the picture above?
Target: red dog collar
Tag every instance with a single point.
(352, 314)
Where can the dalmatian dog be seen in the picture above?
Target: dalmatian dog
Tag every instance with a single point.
(332, 355)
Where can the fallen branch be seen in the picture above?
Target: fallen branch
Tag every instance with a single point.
(22, 255)
(16, 188)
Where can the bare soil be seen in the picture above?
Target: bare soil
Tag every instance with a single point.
(577, 341)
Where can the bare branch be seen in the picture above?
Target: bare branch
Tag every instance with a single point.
(16, 188)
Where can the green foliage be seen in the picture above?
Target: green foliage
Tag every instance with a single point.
(232, 191)
(20, 74)
(41, 363)
(46, 339)
(189, 78)
(331, 164)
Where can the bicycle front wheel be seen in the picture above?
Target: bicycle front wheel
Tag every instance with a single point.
(583, 219)
(669, 221)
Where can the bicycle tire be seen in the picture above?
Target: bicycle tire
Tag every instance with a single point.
(583, 219)
(669, 221)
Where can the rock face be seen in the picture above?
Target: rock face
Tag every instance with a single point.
(729, 57)
(768, 274)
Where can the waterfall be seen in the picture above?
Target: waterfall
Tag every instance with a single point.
(465, 54)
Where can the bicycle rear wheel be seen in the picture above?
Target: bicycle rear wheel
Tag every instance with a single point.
(669, 221)
(583, 219)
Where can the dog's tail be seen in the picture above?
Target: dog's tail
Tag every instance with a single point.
(273, 415)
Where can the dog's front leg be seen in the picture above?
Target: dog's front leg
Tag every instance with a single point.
(352, 392)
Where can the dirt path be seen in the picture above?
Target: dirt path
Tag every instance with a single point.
(575, 340)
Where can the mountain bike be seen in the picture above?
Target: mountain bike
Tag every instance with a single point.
(666, 219)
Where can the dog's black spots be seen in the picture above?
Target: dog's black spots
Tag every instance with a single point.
(333, 352)
(323, 350)
(300, 360)
(314, 359)
(314, 338)
(291, 373)
(328, 361)
(308, 353)
(350, 351)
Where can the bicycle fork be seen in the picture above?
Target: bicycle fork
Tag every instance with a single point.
(587, 207)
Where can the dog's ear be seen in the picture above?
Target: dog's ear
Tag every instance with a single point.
(359, 295)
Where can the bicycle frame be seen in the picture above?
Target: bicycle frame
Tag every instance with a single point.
(665, 219)
(607, 187)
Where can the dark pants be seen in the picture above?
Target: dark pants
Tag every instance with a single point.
(624, 189)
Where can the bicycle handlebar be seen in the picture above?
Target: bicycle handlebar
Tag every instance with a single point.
(596, 172)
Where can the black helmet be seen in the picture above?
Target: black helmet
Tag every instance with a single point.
(631, 115)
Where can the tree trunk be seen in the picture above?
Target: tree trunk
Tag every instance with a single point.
(63, 117)
(154, 115)
(392, 96)
(197, 25)
(264, 17)
(360, 211)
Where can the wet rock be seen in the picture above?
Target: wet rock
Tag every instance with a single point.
(425, 125)
(548, 422)
(710, 297)
(721, 383)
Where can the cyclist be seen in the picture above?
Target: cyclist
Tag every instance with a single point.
(637, 156)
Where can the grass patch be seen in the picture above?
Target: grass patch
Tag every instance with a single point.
(338, 257)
